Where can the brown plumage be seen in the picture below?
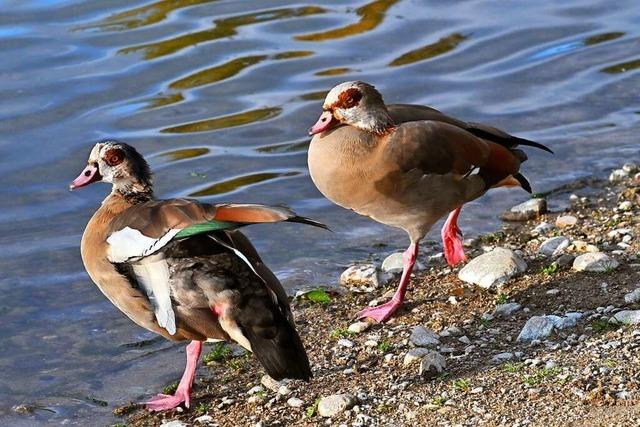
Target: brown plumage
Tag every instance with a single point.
(407, 166)
(181, 269)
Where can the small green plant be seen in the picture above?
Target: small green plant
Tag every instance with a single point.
(542, 375)
(170, 388)
(485, 322)
(384, 346)
(610, 363)
(318, 296)
(551, 269)
(492, 237)
(311, 410)
(600, 325)
(220, 352)
(202, 408)
(234, 364)
(461, 384)
(118, 425)
(502, 298)
(439, 400)
(513, 367)
(338, 333)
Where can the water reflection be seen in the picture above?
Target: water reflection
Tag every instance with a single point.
(442, 46)
(334, 71)
(239, 182)
(371, 15)
(287, 147)
(226, 121)
(185, 153)
(226, 27)
(622, 67)
(142, 16)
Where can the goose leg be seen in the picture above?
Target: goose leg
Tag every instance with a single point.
(163, 402)
(452, 239)
(383, 312)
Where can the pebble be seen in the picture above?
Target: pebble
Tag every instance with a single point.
(454, 330)
(256, 389)
(464, 339)
(204, 419)
(537, 327)
(550, 364)
(393, 264)
(629, 317)
(343, 342)
(502, 357)
(359, 327)
(370, 343)
(553, 291)
(554, 246)
(365, 277)
(423, 337)
(492, 269)
(530, 209)
(625, 206)
(543, 227)
(597, 262)
(432, 364)
(333, 405)
(632, 297)
(173, 423)
(566, 221)
(503, 310)
(618, 175)
(269, 383)
(294, 402)
(566, 259)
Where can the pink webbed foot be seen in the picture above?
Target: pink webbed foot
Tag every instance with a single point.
(452, 239)
(163, 402)
(380, 313)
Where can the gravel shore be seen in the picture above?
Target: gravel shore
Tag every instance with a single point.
(553, 343)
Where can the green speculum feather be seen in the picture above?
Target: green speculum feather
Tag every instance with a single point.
(207, 227)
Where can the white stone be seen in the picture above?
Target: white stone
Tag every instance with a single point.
(204, 419)
(393, 264)
(333, 405)
(294, 402)
(502, 357)
(566, 221)
(530, 209)
(492, 269)
(432, 364)
(632, 297)
(173, 423)
(364, 277)
(629, 317)
(270, 383)
(503, 310)
(423, 337)
(359, 327)
(597, 262)
(618, 175)
(543, 227)
(346, 343)
(537, 327)
(414, 355)
(554, 246)
(625, 206)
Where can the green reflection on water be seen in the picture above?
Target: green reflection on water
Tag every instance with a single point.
(162, 100)
(333, 71)
(622, 67)
(186, 153)
(142, 16)
(371, 15)
(442, 46)
(223, 28)
(287, 147)
(240, 182)
(226, 121)
(314, 96)
(230, 69)
(601, 38)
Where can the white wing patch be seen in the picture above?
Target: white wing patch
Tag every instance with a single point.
(131, 243)
(152, 274)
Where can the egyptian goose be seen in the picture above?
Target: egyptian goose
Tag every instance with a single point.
(181, 269)
(407, 166)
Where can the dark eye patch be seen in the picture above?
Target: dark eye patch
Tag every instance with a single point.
(347, 99)
(113, 157)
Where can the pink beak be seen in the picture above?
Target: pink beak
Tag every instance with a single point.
(325, 122)
(88, 176)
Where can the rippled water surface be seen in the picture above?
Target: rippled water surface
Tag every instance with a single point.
(218, 95)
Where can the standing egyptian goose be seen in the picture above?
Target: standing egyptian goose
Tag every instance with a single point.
(181, 269)
(407, 166)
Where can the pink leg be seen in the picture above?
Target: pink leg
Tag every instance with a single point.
(383, 312)
(452, 239)
(163, 402)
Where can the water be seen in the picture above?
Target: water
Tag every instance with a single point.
(218, 95)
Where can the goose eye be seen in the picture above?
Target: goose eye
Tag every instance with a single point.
(114, 157)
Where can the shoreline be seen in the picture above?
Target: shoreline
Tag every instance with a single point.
(583, 371)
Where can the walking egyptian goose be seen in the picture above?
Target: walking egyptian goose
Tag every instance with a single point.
(181, 269)
(407, 166)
